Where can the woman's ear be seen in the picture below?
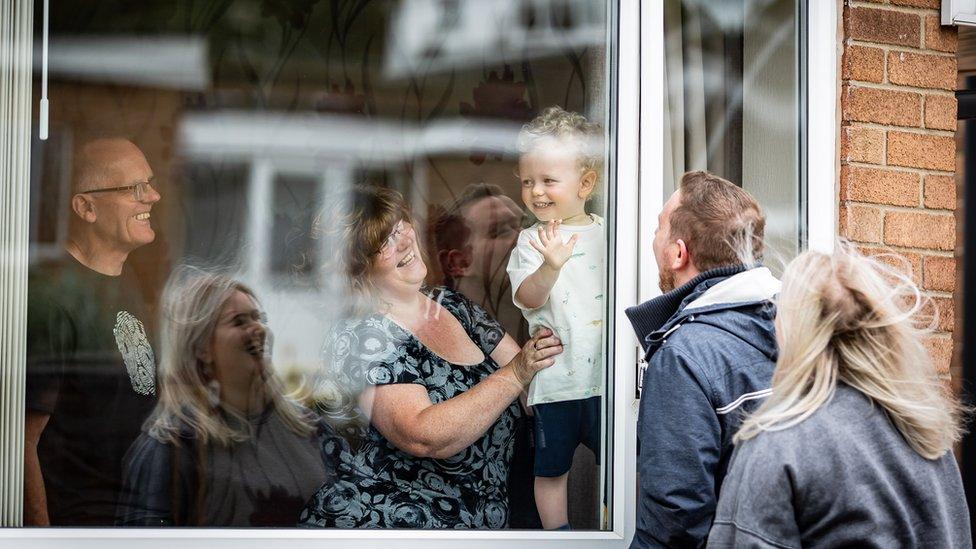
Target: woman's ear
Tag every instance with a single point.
(587, 184)
(204, 355)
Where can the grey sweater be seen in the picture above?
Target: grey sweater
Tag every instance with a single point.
(843, 477)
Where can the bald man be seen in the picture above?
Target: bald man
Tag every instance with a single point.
(91, 368)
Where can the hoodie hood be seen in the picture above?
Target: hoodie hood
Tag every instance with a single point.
(702, 299)
(750, 286)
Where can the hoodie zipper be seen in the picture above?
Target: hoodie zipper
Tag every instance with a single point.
(664, 337)
(654, 344)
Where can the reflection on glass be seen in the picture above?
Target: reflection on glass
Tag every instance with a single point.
(263, 120)
(732, 103)
(225, 446)
(292, 252)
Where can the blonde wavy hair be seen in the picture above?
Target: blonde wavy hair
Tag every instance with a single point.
(847, 318)
(191, 305)
(570, 128)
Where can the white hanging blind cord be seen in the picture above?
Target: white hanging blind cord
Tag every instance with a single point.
(43, 107)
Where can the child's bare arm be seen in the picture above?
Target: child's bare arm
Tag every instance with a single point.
(534, 290)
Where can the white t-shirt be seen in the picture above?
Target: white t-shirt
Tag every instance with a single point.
(574, 311)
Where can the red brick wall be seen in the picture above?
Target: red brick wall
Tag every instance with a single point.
(898, 123)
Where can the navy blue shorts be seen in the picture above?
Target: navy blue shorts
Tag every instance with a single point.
(559, 428)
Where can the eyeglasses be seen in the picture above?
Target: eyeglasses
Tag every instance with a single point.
(139, 190)
(389, 245)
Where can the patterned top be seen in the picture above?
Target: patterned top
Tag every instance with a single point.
(574, 310)
(378, 485)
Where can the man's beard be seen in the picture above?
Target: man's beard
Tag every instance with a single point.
(665, 279)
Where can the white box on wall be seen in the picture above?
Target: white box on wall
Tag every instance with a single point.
(959, 12)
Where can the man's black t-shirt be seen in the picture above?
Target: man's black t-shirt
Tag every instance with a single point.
(91, 367)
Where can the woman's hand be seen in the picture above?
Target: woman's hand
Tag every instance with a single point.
(404, 414)
(537, 354)
(555, 252)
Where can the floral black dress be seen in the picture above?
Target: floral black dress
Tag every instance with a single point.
(379, 486)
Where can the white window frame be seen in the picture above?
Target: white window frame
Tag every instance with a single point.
(638, 140)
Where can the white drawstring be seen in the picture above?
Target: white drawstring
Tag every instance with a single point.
(43, 107)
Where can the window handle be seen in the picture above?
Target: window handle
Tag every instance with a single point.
(42, 115)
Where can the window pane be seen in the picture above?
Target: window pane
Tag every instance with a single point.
(214, 210)
(732, 104)
(286, 255)
(293, 253)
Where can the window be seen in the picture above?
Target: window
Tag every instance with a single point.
(235, 212)
(259, 121)
(733, 105)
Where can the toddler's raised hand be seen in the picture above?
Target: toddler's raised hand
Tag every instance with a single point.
(554, 251)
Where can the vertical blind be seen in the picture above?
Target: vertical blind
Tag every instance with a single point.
(16, 19)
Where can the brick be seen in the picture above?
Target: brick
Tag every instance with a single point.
(937, 37)
(920, 230)
(916, 150)
(940, 112)
(939, 348)
(908, 263)
(921, 70)
(864, 64)
(943, 307)
(939, 273)
(880, 186)
(862, 145)
(886, 107)
(883, 26)
(918, 3)
(940, 192)
(860, 223)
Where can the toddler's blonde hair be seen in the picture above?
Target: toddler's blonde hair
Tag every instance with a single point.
(570, 128)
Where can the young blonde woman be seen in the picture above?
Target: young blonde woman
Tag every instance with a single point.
(225, 445)
(853, 447)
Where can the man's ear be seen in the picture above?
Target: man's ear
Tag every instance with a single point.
(84, 207)
(682, 258)
(587, 184)
(457, 262)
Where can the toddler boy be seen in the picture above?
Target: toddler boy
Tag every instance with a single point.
(557, 272)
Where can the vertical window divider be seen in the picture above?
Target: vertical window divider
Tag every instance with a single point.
(16, 37)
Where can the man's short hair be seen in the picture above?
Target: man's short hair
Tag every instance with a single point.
(720, 223)
(94, 161)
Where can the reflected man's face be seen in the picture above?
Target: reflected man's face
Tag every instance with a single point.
(120, 220)
(663, 244)
(494, 222)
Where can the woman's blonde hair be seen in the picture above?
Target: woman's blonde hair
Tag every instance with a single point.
(191, 305)
(845, 317)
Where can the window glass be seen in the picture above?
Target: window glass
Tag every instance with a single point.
(293, 252)
(295, 264)
(732, 104)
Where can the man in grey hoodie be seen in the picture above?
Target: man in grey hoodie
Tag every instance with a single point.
(710, 350)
